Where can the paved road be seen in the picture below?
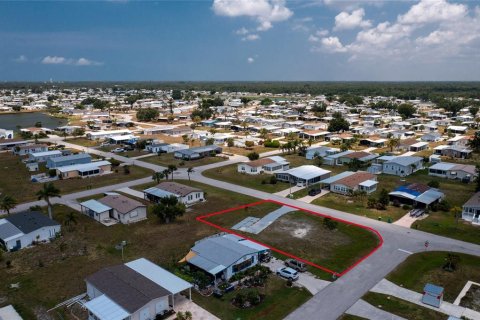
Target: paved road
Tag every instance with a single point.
(336, 298)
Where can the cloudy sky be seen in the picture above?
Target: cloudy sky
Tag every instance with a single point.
(277, 40)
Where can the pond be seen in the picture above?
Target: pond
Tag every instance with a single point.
(12, 120)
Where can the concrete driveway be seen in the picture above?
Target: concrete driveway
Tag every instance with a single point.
(305, 279)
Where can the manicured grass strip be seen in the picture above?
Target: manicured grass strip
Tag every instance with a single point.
(166, 159)
(426, 267)
(402, 308)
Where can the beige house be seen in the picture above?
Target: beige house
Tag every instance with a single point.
(84, 170)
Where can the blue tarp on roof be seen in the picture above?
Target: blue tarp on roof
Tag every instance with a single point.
(408, 190)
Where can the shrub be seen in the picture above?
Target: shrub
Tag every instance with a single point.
(273, 179)
(114, 162)
(52, 173)
(406, 207)
(249, 144)
(380, 206)
(433, 184)
(444, 205)
(371, 203)
(253, 156)
(396, 203)
(330, 224)
(126, 170)
(271, 144)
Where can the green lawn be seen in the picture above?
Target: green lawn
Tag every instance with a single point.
(402, 308)
(425, 267)
(51, 273)
(279, 301)
(18, 184)
(304, 235)
(166, 159)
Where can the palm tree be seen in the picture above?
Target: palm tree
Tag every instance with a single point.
(457, 213)
(172, 168)
(158, 176)
(190, 170)
(166, 173)
(70, 219)
(7, 203)
(393, 143)
(49, 191)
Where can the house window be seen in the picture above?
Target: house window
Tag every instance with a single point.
(242, 265)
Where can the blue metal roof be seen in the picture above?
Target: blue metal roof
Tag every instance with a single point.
(159, 192)
(106, 309)
(95, 206)
(433, 289)
(405, 189)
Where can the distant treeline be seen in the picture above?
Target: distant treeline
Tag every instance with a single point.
(402, 90)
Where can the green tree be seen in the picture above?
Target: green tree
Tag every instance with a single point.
(338, 123)
(7, 203)
(266, 102)
(477, 179)
(172, 168)
(473, 110)
(457, 214)
(253, 156)
(168, 209)
(406, 110)
(230, 142)
(190, 170)
(158, 176)
(393, 143)
(383, 197)
(474, 143)
(176, 94)
(46, 193)
(147, 114)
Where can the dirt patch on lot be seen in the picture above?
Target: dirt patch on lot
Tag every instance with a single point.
(471, 299)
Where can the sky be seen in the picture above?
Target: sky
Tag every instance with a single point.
(240, 40)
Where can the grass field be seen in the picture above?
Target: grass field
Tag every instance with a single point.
(51, 273)
(304, 235)
(279, 302)
(166, 159)
(230, 174)
(402, 308)
(17, 179)
(425, 267)
(84, 142)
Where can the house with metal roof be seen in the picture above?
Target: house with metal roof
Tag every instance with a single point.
(197, 152)
(185, 194)
(69, 160)
(85, 169)
(44, 156)
(463, 172)
(224, 255)
(23, 229)
(116, 207)
(471, 209)
(264, 165)
(453, 151)
(417, 195)
(322, 151)
(403, 165)
(138, 289)
(303, 176)
(348, 182)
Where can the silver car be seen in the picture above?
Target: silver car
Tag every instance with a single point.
(287, 273)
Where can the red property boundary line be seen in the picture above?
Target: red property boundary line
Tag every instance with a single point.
(338, 274)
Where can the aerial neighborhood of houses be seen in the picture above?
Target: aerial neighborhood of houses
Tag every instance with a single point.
(197, 204)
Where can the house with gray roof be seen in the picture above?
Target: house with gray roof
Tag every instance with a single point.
(471, 209)
(23, 229)
(138, 289)
(185, 194)
(79, 158)
(403, 165)
(198, 152)
(224, 255)
(116, 207)
(463, 172)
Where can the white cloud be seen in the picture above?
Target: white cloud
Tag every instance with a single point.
(345, 20)
(242, 31)
(250, 60)
(54, 60)
(264, 12)
(251, 37)
(332, 44)
(348, 5)
(21, 58)
(428, 31)
(70, 61)
(428, 11)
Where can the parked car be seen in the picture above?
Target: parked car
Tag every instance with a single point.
(129, 148)
(296, 265)
(314, 192)
(287, 273)
(118, 150)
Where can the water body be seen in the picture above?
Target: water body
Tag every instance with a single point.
(25, 120)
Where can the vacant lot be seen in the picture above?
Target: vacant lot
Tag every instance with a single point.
(83, 142)
(51, 273)
(305, 235)
(425, 267)
(402, 308)
(15, 179)
(166, 159)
